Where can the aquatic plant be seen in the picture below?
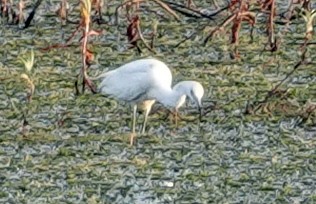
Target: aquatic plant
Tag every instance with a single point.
(28, 63)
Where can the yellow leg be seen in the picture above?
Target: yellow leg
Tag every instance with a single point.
(134, 124)
(146, 106)
(145, 121)
(131, 141)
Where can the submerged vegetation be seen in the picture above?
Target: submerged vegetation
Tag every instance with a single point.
(255, 59)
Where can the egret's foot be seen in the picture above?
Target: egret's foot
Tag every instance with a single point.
(131, 141)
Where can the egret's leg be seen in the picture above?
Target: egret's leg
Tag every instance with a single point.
(147, 105)
(145, 120)
(200, 116)
(134, 124)
(176, 118)
(134, 117)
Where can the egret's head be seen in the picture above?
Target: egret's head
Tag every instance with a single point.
(194, 90)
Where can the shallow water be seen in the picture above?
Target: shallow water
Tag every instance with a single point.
(75, 148)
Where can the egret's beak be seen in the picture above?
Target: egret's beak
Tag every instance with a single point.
(201, 112)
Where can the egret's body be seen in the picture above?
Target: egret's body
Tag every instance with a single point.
(141, 82)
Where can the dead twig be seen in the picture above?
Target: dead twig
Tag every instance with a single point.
(66, 44)
(275, 90)
(134, 34)
(143, 40)
(306, 114)
(167, 8)
(129, 3)
(192, 12)
(32, 14)
(98, 4)
(270, 6)
(240, 13)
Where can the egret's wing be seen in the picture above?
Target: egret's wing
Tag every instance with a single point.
(126, 86)
(133, 81)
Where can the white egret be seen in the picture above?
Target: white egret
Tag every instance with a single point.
(143, 81)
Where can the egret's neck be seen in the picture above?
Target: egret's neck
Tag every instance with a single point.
(170, 98)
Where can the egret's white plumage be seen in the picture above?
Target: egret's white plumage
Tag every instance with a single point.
(143, 81)
(193, 89)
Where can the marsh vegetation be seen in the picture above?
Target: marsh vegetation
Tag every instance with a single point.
(256, 143)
